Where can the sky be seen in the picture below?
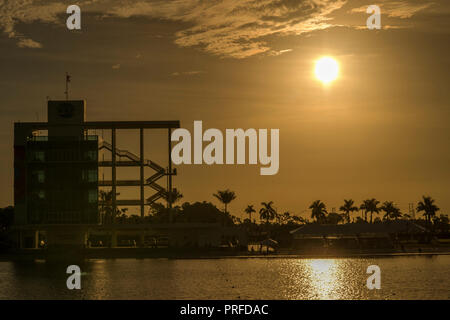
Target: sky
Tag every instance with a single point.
(380, 130)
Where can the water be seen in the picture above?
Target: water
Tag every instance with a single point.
(415, 277)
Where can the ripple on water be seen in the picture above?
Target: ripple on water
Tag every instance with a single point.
(416, 277)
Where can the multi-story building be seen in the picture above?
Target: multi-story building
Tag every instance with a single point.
(58, 172)
(56, 165)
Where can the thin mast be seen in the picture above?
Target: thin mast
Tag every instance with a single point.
(67, 86)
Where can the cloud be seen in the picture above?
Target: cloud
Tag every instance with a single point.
(186, 73)
(277, 53)
(28, 43)
(26, 11)
(399, 9)
(226, 28)
(234, 28)
(385, 27)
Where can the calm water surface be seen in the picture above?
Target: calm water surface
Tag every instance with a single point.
(416, 277)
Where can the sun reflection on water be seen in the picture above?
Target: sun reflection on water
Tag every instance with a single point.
(293, 279)
(323, 279)
(323, 275)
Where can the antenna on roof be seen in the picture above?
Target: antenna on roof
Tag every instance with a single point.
(412, 212)
(67, 85)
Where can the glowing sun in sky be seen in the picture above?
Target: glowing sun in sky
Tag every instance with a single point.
(326, 70)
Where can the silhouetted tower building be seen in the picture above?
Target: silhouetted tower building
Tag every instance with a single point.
(56, 182)
(57, 174)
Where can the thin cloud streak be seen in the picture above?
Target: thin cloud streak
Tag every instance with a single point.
(26, 11)
(187, 73)
(226, 28)
(235, 28)
(398, 9)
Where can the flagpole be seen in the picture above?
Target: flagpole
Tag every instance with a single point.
(67, 85)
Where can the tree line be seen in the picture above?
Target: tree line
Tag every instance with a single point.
(267, 213)
(320, 214)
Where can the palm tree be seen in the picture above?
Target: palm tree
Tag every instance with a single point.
(236, 220)
(347, 208)
(396, 214)
(299, 220)
(334, 218)
(225, 196)
(174, 196)
(267, 212)
(370, 205)
(407, 216)
(122, 218)
(391, 211)
(134, 219)
(286, 217)
(105, 207)
(318, 211)
(428, 207)
(249, 210)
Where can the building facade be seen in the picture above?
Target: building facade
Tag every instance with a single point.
(56, 170)
(57, 173)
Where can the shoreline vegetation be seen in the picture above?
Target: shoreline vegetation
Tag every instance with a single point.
(276, 234)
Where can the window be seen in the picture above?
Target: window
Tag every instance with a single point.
(92, 196)
(39, 176)
(38, 156)
(90, 175)
(91, 155)
(41, 194)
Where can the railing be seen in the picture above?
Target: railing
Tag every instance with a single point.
(63, 138)
(119, 152)
(151, 181)
(131, 156)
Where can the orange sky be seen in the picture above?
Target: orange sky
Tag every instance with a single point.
(380, 130)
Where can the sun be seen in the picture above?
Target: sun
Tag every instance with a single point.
(326, 70)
